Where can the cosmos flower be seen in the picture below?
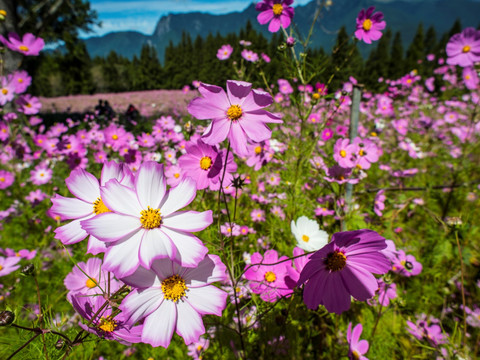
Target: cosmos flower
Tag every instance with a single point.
(343, 153)
(105, 325)
(463, 49)
(357, 347)
(224, 52)
(343, 268)
(277, 12)
(269, 280)
(237, 114)
(205, 164)
(29, 45)
(249, 55)
(86, 204)
(9, 264)
(171, 298)
(41, 175)
(369, 25)
(308, 234)
(7, 90)
(144, 221)
(29, 105)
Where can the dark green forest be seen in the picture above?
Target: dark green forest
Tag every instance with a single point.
(73, 71)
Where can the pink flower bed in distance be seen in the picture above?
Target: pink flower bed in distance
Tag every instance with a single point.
(149, 102)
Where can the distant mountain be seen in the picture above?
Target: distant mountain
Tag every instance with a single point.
(400, 15)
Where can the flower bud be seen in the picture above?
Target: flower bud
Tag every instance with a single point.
(6, 317)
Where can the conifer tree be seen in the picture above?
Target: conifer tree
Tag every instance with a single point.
(396, 66)
(416, 50)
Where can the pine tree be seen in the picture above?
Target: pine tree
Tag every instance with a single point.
(416, 50)
(396, 66)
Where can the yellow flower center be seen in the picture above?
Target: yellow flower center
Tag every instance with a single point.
(355, 355)
(258, 149)
(367, 24)
(115, 137)
(305, 238)
(277, 9)
(1, 267)
(205, 162)
(467, 77)
(20, 80)
(2, 179)
(270, 276)
(23, 48)
(91, 283)
(150, 218)
(466, 48)
(3, 13)
(343, 153)
(359, 166)
(361, 152)
(107, 324)
(177, 175)
(409, 81)
(373, 133)
(234, 112)
(99, 207)
(4, 91)
(336, 261)
(173, 288)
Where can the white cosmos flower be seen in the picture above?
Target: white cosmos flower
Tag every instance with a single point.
(308, 234)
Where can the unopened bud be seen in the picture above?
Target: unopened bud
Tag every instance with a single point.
(28, 269)
(6, 317)
(60, 344)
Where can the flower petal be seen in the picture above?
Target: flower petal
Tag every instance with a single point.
(140, 303)
(83, 185)
(188, 220)
(189, 323)
(207, 300)
(179, 196)
(159, 325)
(150, 184)
(155, 245)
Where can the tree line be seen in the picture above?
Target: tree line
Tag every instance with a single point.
(73, 71)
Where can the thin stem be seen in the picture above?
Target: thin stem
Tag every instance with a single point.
(462, 289)
(41, 316)
(23, 346)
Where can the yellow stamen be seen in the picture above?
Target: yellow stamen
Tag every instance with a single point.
(150, 218)
(2, 179)
(4, 91)
(176, 175)
(277, 9)
(305, 238)
(466, 48)
(336, 261)
(270, 277)
(107, 324)
(99, 207)
(1, 267)
(367, 24)
(115, 137)
(205, 162)
(20, 80)
(373, 133)
(343, 153)
(3, 13)
(258, 149)
(173, 288)
(234, 112)
(91, 283)
(23, 48)
(361, 152)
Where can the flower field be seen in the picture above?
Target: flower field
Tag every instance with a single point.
(254, 221)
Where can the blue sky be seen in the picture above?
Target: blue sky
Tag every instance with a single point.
(142, 15)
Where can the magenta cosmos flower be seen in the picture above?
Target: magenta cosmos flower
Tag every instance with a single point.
(277, 12)
(88, 203)
(343, 268)
(237, 114)
(357, 347)
(174, 298)
(144, 223)
(267, 275)
(464, 49)
(369, 25)
(29, 105)
(106, 324)
(29, 45)
(6, 179)
(224, 52)
(8, 264)
(205, 163)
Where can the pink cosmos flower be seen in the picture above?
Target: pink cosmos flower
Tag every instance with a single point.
(224, 52)
(269, 280)
(205, 164)
(21, 80)
(284, 86)
(406, 265)
(367, 153)
(249, 55)
(470, 78)
(29, 105)
(23, 254)
(29, 45)
(265, 57)
(7, 91)
(6, 179)
(257, 215)
(173, 298)
(357, 347)
(277, 12)
(8, 264)
(88, 203)
(144, 221)
(343, 268)
(464, 49)
(105, 325)
(237, 114)
(327, 134)
(97, 282)
(41, 175)
(343, 153)
(369, 25)
(259, 155)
